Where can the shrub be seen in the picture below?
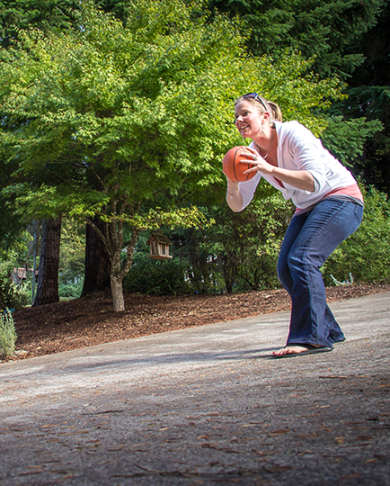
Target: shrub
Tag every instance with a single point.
(248, 242)
(70, 291)
(156, 277)
(365, 254)
(24, 294)
(9, 296)
(7, 334)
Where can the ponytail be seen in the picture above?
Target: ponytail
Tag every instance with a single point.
(276, 112)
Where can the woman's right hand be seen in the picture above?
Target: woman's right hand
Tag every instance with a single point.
(232, 187)
(233, 196)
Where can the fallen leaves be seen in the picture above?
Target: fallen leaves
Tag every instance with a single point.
(351, 476)
(275, 433)
(84, 322)
(339, 440)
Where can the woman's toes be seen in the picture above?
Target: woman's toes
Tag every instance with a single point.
(291, 350)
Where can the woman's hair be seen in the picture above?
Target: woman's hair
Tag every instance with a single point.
(263, 105)
(276, 111)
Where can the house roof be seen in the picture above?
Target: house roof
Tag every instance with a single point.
(159, 238)
(21, 272)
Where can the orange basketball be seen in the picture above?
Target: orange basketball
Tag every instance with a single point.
(234, 168)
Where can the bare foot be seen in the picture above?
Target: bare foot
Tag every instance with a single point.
(300, 350)
(293, 349)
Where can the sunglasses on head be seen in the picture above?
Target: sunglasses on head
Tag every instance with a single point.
(255, 96)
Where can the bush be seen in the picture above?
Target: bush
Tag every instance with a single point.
(24, 294)
(7, 334)
(248, 242)
(365, 254)
(156, 277)
(9, 295)
(70, 291)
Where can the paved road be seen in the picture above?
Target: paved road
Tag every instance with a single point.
(205, 406)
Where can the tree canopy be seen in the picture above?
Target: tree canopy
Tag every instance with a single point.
(47, 15)
(349, 39)
(130, 122)
(318, 29)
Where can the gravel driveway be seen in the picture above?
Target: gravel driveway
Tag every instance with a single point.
(205, 406)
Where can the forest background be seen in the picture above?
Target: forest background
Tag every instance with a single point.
(115, 119)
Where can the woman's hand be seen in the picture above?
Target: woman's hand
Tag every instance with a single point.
(259, 164)
(301, 179)
(233, 196)
(232, 186)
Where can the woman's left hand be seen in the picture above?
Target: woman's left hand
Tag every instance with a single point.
(301, 179)
(259, 164)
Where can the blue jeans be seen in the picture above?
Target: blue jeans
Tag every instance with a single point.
(310, 238)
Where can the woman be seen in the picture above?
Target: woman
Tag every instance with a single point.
(329, 208)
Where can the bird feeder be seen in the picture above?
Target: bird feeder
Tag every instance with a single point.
(159, 246)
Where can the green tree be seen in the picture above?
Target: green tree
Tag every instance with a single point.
(17, 253)
(49, 16)
(71, 262)
(193, 248)
(16, 15)
(256, 236)
(349, 39)
(129, 123)
(369, 96)
(365, 254)
(346, 139)
(323, 30)
(246, 244)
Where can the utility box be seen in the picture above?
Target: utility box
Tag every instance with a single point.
(159, 246)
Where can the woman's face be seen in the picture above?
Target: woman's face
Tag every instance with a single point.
(249, 120)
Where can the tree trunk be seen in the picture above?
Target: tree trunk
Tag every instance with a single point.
(47, 291)
(97, 261)
(118, 269)
(117, 294)
(228, 265)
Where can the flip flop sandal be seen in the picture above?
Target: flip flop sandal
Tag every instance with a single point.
(311, 350)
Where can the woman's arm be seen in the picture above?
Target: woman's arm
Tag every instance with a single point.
(301, 179)
(233, 196)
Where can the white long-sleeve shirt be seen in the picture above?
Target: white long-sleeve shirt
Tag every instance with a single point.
(299, 149)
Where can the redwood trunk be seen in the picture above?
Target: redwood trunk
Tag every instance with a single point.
(47, 291)
(97, 262)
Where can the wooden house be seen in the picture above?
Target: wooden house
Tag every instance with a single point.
(18, 274)
(159, 246)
